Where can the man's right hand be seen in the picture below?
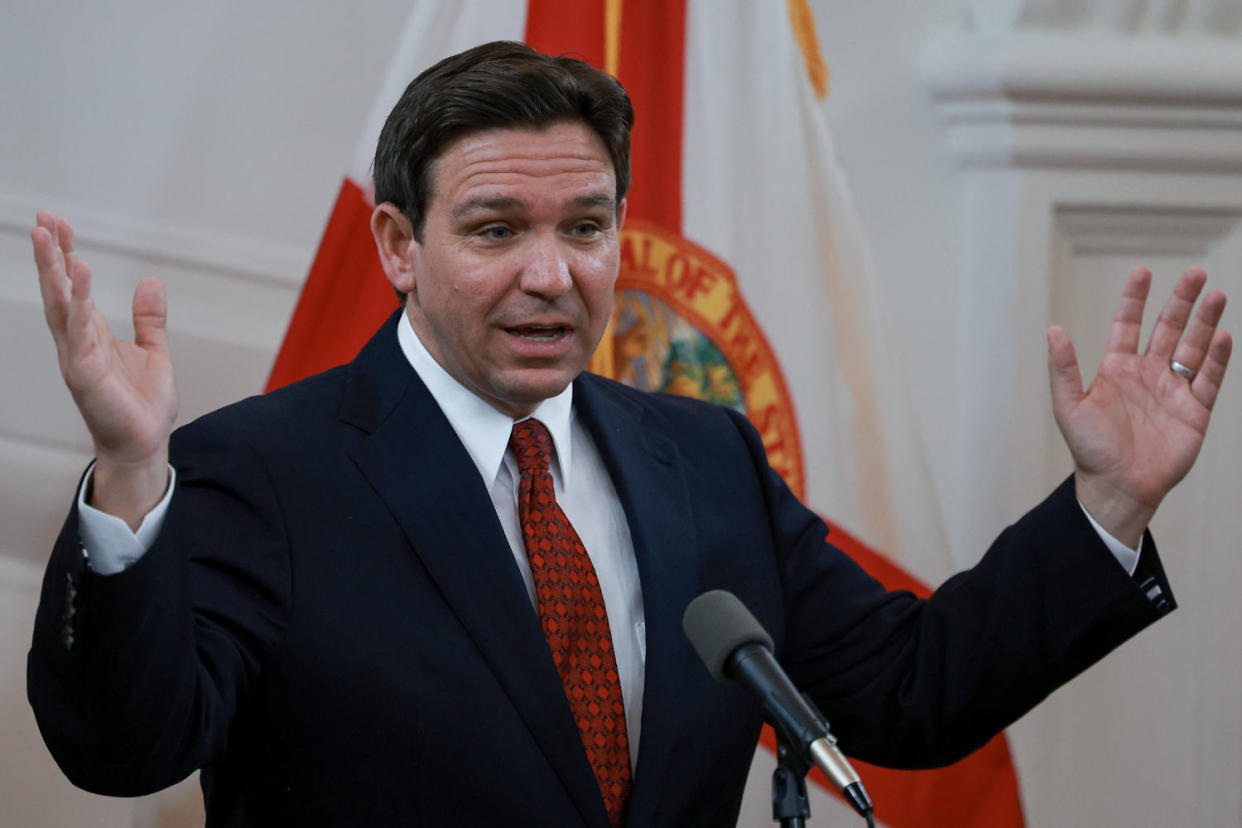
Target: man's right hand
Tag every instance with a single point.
(124, 390)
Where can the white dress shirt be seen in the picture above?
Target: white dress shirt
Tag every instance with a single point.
(584, 492)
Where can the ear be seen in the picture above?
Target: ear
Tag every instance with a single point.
(394, 236)
(621, 215)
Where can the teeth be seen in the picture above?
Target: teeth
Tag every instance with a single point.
(538, 334)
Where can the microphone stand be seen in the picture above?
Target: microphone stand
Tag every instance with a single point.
(789, 802)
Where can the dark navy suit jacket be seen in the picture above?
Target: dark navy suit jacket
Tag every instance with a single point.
(332, 626)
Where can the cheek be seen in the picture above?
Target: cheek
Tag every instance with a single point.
(602, 293)
(598, 274)
(465, 315)
(601, 301)
(463, 299)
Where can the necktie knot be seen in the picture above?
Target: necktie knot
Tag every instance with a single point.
(532, 446)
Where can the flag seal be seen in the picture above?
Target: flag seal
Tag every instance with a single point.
(681, 325)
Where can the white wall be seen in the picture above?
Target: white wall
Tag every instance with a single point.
(201, 143)
(204, 143)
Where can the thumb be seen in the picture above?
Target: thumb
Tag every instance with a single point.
(1063, 375)
(151, 315)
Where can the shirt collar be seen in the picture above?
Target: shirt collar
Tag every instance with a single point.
(483, 430)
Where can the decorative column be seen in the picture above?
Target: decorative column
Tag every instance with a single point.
(1091, 136)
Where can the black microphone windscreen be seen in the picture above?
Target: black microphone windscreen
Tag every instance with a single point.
(717, 623)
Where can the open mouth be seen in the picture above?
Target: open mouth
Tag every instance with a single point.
(539, 333)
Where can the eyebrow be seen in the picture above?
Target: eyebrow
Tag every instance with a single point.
(475, 205)
(607, 200)
(499, 203)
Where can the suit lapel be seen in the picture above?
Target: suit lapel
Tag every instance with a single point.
(421, 471)
(646, 471)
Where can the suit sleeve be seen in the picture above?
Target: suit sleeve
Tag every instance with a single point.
(135, 677)
(907, 682)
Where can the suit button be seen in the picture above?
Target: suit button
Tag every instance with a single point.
(71, 609)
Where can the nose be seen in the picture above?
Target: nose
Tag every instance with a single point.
(545, 272)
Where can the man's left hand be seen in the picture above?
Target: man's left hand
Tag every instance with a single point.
(1136, 431)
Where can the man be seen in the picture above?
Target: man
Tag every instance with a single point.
(386, 596)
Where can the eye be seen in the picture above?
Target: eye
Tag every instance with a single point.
(585, 230)
(495, 232)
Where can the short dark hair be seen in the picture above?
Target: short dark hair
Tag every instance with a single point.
(494, 86)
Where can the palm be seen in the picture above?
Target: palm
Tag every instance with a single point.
(1137, 415)
(1138, 428)
(124, 390)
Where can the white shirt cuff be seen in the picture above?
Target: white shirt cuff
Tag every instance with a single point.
(1127, 557)
(108, 543)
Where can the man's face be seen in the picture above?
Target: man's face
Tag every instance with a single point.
(513, 280)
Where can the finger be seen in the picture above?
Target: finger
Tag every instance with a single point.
(44, 236)
(1207, 384)
(79, 283)
(47, 220)
(80, 318)
(1064, 377)
(151, 315)
(1175, 313)
(53, 282)
(66, 281)
(1123, 335)
(54, 285)
(1193, 348)
(64, 237)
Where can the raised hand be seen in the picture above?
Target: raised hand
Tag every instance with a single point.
(124, 390)
(1136, 431)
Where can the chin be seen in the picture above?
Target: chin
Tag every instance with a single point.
(529, 393)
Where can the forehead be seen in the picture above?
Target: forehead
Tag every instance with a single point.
(565, 157)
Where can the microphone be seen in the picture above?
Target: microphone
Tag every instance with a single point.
(736, 648)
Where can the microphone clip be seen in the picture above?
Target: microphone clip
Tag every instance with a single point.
(790, 805)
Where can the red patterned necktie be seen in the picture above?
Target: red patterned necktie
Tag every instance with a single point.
(573, 618)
